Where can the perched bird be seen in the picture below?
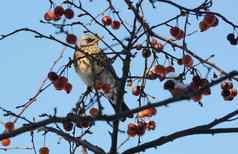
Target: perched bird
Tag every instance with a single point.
(95, 69)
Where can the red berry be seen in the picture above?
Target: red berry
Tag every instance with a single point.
(132, 130)
(210, 19)
(233, 92)
(93, 112)
(68, 87)
(159, 69)
(177, 33)
(227, 85)
(71, 38)
(6, 142)
(116, 24)
(151, 125)
(187, 60)
(69, 13)
(68, 126)
(197, 98)
(141, 127)
(60, 82)
(136, 90)
(59, 11)
(203, 26)
(9, 126)
(146, 53)
(44, 150)
(106, 20)
(52, 76)
(50, 15)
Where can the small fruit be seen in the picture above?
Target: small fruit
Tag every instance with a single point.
(59, 11)
(141, 127)
(146, 53)
(93, 112)
(136, 90)
(50, 15)
(203, 26)
(147, 112)
(151, 125)
(60, 82)
(132, 130)
(107, 20)
(69, 13)
(197, 98)
(71, 38)
(68, 87)
(177, 33)
(159, 69)
(68, 126)
(116, 24)
(44, 150)
(225, 93)
(187, 60)
(9, 126)
(227, 85)
(230, 37)
(6, 142)
(210, 19)
(52, 76)
(84, 124)
(233, 92)
(234, 42)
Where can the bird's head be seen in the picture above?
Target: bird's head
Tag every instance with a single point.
(88, 40)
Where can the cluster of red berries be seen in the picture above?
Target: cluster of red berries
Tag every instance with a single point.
(232, 39)
(186, 60)
(60, 82)
(44, 150)
(228, 91)
(8, 127)
(198, 83)
(160, 71)
(177, 33)
(177, 88)
(107, 21)
(140, 128)
(209, 20)
(68, 125)
(58, 12)
(105, 87)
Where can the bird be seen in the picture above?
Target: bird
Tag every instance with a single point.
(95, 69)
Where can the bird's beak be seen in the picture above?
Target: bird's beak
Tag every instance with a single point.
(98, 39)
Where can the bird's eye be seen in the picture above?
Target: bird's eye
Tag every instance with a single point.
(90, 40)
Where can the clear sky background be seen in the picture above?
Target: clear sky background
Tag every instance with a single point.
(25, 61)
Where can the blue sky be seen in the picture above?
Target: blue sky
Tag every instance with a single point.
(25, 61)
